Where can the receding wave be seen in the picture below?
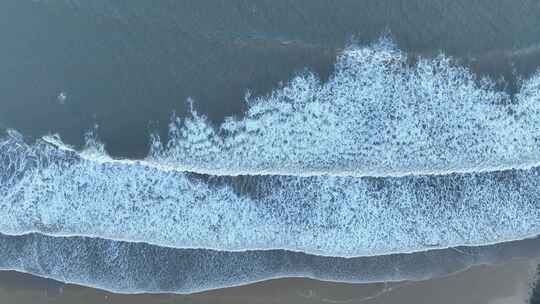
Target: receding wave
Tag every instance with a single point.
(135, 267)
(377, 115)
(57, 192)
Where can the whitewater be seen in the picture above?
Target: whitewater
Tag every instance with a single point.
(391, 155)
(59, 192)
(140, 268)
(381, 113)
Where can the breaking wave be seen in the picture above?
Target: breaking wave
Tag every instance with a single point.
(136, 268)
(61, 192)
(379, 114)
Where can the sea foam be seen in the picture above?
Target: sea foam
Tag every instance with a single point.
(381, 113)
(59, 192)
(136, 268)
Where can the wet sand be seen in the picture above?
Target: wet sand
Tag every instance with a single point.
(496, 284)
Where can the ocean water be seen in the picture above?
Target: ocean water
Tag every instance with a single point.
(375, 116)
(61, 193)
(127, 65)
(125, 267)
(184, 146)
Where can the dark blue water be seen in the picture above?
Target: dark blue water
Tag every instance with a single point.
(127, 65)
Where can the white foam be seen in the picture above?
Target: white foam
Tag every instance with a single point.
(136, 268)
(57, 192)
(377, 115)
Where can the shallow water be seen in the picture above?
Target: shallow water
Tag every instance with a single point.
(125, 267)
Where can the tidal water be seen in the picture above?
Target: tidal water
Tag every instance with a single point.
(183, 146)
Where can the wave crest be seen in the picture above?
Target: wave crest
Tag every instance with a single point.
(377, 115)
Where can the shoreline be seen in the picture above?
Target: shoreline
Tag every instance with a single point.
(501, 283)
